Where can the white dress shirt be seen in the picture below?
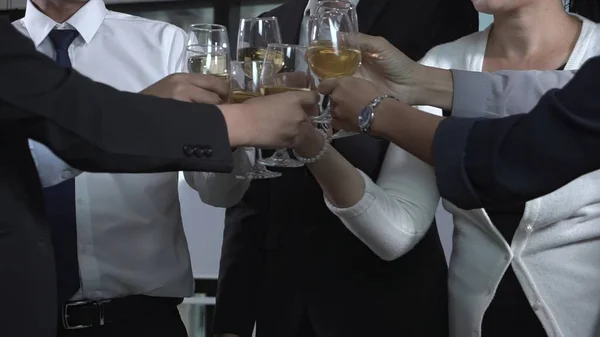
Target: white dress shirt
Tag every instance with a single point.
(129, 228)
(224, 189)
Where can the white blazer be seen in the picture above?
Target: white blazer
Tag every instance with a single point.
(555, 252)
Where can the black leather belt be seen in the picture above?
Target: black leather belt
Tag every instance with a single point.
(88, 314)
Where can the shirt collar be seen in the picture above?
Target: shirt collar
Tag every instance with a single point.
(86, 21)
(312, 4)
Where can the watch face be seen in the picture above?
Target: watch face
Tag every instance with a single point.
(365, 117)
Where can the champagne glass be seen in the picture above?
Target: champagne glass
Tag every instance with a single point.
(208, 50)
(347, 7)
(254, 37)
(243, 88)
(285, 69)
(332, 52)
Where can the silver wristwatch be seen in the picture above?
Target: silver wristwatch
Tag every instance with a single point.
(367, 115)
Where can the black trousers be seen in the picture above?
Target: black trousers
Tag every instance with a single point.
(164, 322)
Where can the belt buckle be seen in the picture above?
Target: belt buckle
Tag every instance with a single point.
(65, 314)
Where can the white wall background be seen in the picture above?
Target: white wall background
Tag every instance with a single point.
(204, 224)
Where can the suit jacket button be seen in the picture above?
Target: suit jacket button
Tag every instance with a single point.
(198, 151)
(188, 150)
(208, 152)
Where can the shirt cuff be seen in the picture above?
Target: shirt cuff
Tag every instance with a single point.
(51, 169)
(471, 93)
(449, 146)
(361, 206)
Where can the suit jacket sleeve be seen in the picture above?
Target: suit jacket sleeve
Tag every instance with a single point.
(96, 128)
(514, 159)
(503, 93)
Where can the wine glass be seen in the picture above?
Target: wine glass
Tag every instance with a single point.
(208, 50)
(285, 69)
(243, 88)
(347, 7)
(332, 52)
(254, 37)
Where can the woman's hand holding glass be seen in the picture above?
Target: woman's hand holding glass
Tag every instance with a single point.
(384, 64)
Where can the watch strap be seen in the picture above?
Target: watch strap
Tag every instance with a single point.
(366, 128)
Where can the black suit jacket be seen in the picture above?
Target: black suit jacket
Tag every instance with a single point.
(482, 163)
(94, 128)
(286, 260)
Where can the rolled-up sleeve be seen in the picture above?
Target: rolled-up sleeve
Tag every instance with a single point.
(462, 151)
(521, 157)
(472, 93)
(503, 93)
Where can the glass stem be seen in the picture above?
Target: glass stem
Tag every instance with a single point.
(281, 154)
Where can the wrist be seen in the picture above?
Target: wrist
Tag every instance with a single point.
(431, 86)
(237, 125)
(382, 117)
(311, 144)
(313, 158)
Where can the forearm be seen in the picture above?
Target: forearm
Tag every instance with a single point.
(480, 94)
(429, 86)
(410, 129)
(490, 162)
(503, 93)
(389, 216)
(235, 121)
(340, 181)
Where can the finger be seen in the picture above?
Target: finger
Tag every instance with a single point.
(211, 83)
(313, 83)
(198, 95)
(328, 129)
(336, 125)
(328, 86)
(367, 43)
(311, 110)
(307, 98)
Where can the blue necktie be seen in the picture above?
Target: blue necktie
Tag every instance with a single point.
(60, 201)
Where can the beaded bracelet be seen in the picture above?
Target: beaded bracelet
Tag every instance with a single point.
(319, 155)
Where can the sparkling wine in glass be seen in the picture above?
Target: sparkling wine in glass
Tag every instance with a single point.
(292, 74)
(208, 50)
(332, 52)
